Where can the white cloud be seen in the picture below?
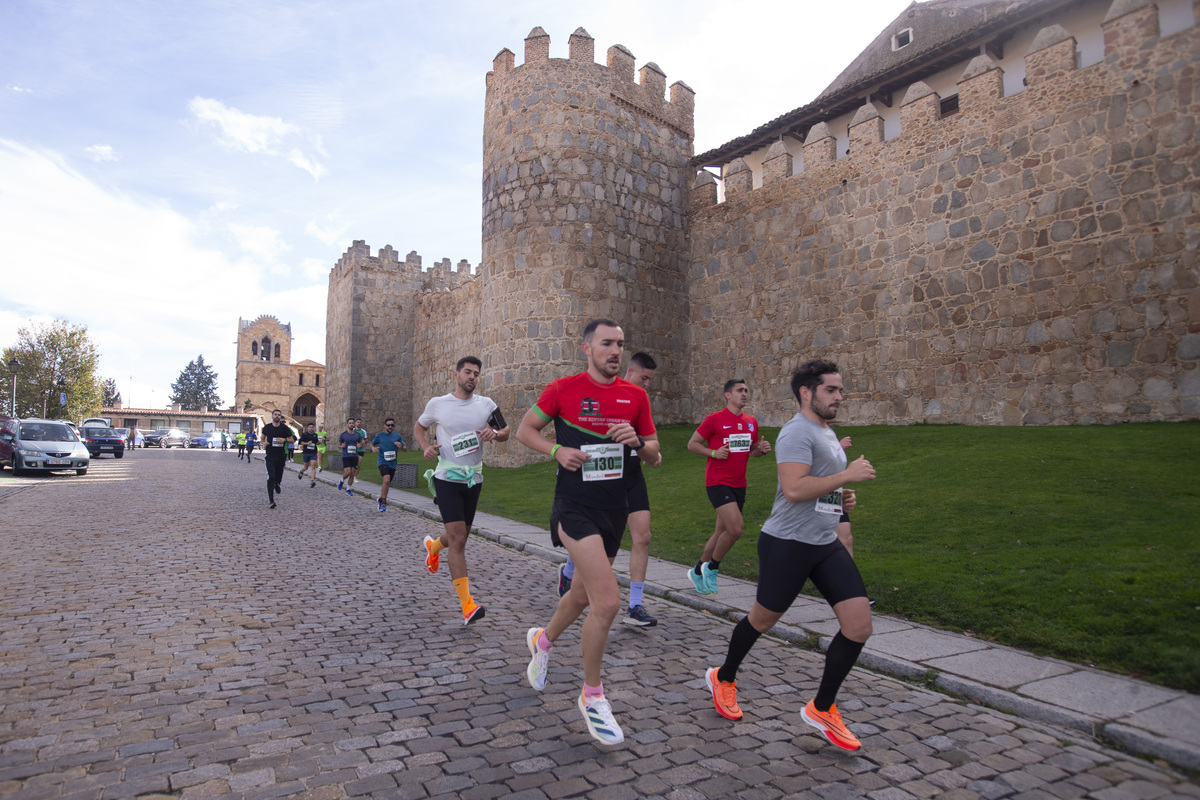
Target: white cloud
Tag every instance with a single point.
(330, 234)
(257, 134)
(264, 244)
(314, 269)
(168, 298)
(20, 89)
(102, 152)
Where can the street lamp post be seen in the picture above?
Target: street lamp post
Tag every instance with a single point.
(62, 395)
(14, 366)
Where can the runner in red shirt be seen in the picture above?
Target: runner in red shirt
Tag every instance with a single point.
(598, 418)
(728, 438)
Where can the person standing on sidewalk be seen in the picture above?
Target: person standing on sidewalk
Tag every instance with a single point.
(308, 452)
(597, 415)
(387, 443)
(639, 372)
(465, 422)
(276, 437)
(728, 439)
(799, 542)
(351, 441)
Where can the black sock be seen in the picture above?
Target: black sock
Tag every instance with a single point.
(714, 565)
(839, 658)
(743, 638)
(698, 563)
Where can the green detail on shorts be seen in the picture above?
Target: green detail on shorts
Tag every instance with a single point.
(456, 472)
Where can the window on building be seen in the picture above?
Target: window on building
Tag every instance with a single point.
(902, 39)
(235, 427)
(157, 424)
(266, 348)
(205, 427)
(301, 378)
(184, 425)
(277, 352)
(254, 348)
(949, 105)
(318, 380)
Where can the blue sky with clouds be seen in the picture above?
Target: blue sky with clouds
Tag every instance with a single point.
(166, 167)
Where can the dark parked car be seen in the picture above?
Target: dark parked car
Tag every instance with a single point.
(40, 444)
(102, 441)
(167, 437)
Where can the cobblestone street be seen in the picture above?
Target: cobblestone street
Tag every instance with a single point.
(162, 633)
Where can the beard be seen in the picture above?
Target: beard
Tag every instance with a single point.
(825, 412)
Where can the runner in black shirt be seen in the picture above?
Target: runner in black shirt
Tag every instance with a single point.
(275, 438)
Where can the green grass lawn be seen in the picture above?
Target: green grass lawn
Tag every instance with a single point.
(1074, 542)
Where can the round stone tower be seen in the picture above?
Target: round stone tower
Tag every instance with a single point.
(585, 172)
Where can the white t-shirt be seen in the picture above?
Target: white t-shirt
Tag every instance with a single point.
(457, 420)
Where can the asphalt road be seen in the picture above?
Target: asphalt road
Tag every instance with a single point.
(162, 633)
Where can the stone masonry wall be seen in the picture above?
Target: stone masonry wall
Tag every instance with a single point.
(1028, 260)
(584, 191)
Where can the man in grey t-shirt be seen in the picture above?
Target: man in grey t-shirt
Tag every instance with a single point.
(798, 542)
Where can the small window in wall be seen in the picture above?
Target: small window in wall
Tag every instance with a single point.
(157, 424)
(902, 39)
(254, 348)
(184, 425)
(301, 378)
(266, 348)
(949, 105)
(235, 427)
(205, 427)
(277, 352)
(318, 379)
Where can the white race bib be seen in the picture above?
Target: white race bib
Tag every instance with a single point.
(830, 503)
(351, 449)
(389, 455)
(606, 462)
(739, 442)
(464, 443)
(277, 441)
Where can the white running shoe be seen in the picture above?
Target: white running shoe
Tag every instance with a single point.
(539, 664)
(597, 713)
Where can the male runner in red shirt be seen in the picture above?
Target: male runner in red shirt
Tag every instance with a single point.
(728, 438)
(597, 416)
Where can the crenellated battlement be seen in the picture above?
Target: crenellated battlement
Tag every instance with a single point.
(1130, 29)
(358, 256)
(645, 94)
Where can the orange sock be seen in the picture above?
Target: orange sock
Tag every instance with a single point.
(462, 586)
(436, 546)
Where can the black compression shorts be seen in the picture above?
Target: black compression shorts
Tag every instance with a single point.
(724, 495)
(579, 522)
(784, 565)
(457, 501)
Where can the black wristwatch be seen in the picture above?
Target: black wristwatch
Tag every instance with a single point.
(641, 444)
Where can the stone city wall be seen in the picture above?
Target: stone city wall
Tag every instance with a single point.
(1028, 260)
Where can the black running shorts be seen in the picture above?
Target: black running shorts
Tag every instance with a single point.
(386, 472)
(579, 522)
(636, 496)
(457, 501)
(724, 495)
(349, 462)
(784, 565)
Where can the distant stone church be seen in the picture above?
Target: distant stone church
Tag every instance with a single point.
(990, 217)
(268, 380)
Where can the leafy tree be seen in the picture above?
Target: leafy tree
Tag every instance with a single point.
(49, 353)
(112, 395)
(196, 387)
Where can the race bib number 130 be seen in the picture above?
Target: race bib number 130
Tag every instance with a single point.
(606, 462)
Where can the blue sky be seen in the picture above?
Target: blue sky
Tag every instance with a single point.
(166, 167)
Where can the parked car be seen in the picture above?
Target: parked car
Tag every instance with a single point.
(139, 438)
(207, 439)
(167, 437)
(41, 444)
(102, 441)
(98, 422)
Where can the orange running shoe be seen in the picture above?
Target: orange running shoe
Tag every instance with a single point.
(431, 558)
(724, 695)
(472, 613)
(830, 724)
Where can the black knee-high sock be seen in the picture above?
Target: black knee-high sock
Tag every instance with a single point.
(839, 659)
(743, 638)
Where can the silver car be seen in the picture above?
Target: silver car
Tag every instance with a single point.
(41, 444)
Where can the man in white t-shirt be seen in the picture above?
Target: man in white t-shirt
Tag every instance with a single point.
(465, 422)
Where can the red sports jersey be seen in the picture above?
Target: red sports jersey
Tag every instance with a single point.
(582, 410)
(716, 429)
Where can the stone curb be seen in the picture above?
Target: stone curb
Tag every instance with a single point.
(1135, 740)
